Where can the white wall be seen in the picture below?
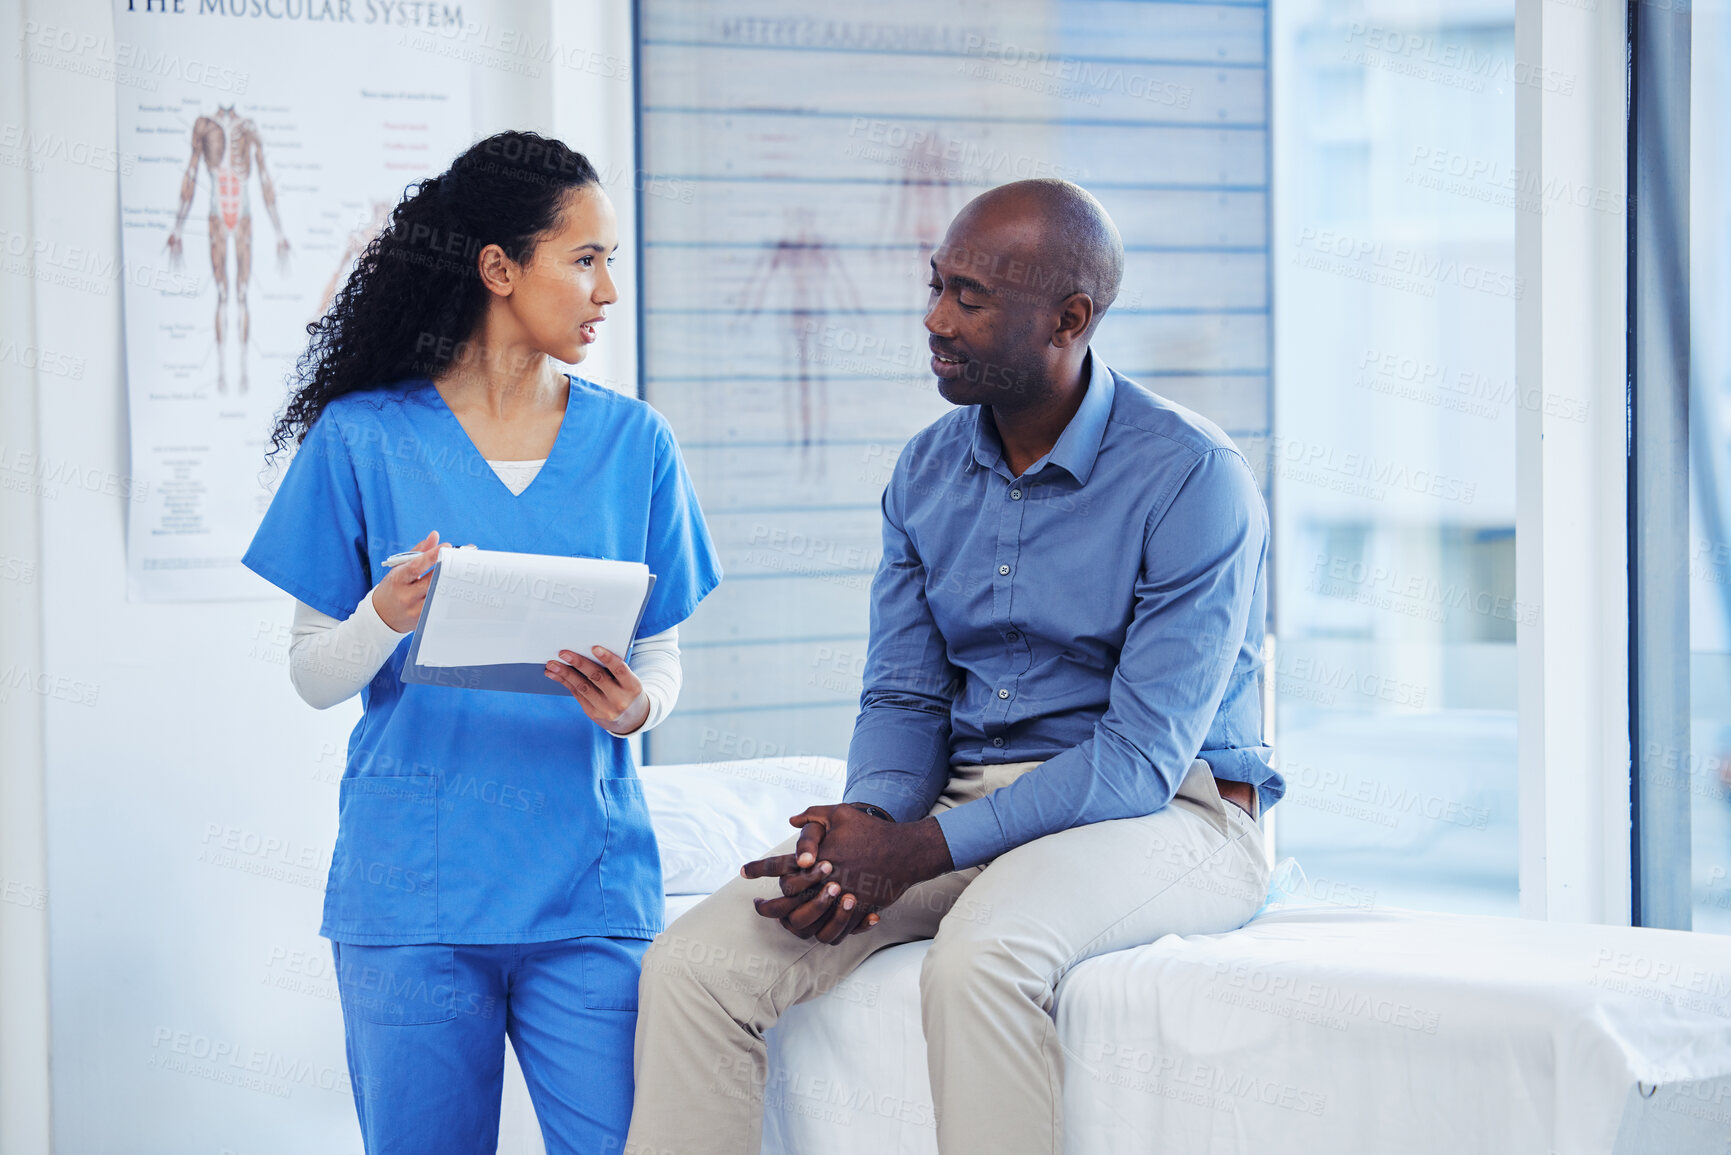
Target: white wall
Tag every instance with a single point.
(162, 733)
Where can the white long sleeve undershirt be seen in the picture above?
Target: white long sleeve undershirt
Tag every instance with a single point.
(330, 660)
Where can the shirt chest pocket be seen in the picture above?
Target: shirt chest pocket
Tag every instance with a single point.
(384, 873)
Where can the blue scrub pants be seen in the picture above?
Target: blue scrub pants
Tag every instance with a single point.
(426, 1028)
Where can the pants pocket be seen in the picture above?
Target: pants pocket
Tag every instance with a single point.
(611, 968)
(398, 986)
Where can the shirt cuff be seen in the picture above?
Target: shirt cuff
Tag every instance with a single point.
(898, 793)
(655, 661)
(973, 833)
(898, 759)
(374, 628)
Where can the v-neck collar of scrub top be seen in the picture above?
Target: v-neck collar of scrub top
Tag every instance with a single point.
(436, 401)
(519, 518)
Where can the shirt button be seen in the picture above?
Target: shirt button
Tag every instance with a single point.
(1003, 693)
(1004, 569)
(1015, 495)
(997, 741)
(1012, 635)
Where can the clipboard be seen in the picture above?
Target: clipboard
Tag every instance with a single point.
(510, 677)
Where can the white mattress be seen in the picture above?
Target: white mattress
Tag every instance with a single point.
(1312, 1031)
(1336, 1031)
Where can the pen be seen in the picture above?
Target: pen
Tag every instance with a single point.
(410, 555)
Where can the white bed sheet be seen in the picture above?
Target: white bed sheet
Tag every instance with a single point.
(1335, 1031)
(1309, 1032)
(1312, 1031)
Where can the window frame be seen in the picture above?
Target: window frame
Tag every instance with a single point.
(1572, 542)
(1660, 854)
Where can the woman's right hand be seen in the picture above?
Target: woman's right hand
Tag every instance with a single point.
(399, 597)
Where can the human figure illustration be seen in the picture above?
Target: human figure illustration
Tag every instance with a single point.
(359, 238)
(229, 146)
(920, 206)
(816, 285)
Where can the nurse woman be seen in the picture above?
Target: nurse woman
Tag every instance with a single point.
(495, 874)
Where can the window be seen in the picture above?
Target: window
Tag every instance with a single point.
(1709, 764)
(1393, 451)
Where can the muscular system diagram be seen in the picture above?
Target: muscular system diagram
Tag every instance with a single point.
(229, 147)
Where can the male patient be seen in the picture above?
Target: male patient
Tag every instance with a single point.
(1060, 719)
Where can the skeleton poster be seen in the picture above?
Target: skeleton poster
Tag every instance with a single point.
(254, 189)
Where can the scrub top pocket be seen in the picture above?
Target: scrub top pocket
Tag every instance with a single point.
(630, 862)
(384, 873)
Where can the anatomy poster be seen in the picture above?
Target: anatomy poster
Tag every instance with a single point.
(253, 192)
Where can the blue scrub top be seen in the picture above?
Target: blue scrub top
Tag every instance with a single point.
(475, 816)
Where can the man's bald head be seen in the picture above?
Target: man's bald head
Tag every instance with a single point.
(1057, 230)
(1019, 284)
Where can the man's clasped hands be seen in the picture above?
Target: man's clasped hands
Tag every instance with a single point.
(847, 866)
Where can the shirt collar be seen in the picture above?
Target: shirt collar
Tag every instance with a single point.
(1078, 445)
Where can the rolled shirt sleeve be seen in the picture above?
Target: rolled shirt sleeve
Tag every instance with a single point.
(1202, 558)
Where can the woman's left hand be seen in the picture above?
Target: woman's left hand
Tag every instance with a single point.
(605, 687)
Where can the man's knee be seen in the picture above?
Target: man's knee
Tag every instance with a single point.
(957, 971)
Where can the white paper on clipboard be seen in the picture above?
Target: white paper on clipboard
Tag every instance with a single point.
(492, 608)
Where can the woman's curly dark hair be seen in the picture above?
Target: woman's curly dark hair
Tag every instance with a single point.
(415, 295)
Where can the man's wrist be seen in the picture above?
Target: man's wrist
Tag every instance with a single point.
(932, 848)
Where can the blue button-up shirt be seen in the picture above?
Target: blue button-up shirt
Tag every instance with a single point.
(1102, 612)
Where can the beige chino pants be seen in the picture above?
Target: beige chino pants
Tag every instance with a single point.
(1004, 933)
